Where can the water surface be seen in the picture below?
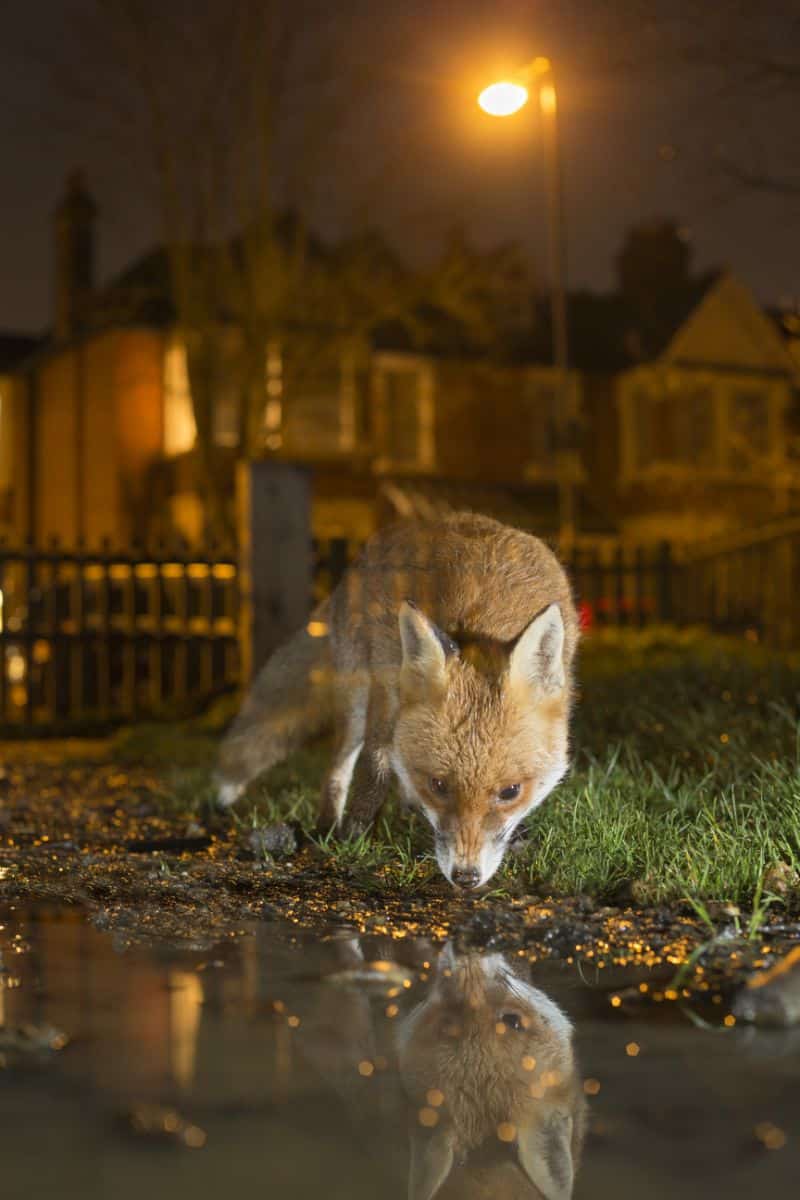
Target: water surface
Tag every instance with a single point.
(280, 1065)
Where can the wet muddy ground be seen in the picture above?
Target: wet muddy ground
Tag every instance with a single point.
(113, 843)
(182, 1015)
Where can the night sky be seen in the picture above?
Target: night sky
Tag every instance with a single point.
(640, 133)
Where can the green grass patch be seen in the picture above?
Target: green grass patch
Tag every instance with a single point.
(685, 780)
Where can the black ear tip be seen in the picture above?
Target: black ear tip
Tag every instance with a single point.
(411, 604)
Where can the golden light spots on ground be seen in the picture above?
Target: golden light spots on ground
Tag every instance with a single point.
(528, 1062)
(771, 1137)
(317, 629)
(729, 1021)
(632, 1049)
(428, 1117)
(724, 738)
(506, 1132)
(435, 1098)
(366, 1068)
(616, 1001)
(591, 1086)
(392, 1010)
(293, 1021)
(279, 1006)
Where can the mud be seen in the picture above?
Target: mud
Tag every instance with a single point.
(115, 844)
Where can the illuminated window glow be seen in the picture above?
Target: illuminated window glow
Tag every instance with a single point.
(180, 431)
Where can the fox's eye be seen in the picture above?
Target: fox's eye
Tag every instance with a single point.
(438, 785)
(512, 1020)
(509, 793)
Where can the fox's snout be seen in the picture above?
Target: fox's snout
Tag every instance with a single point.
(468, 855)
(466, 877)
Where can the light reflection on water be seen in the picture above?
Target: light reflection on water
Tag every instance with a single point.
(347, 1068)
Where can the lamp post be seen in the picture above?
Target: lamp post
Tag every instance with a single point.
(503, 99)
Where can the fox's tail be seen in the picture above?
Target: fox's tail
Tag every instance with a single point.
(290, 700)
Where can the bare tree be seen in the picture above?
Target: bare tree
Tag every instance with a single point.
(241, 109)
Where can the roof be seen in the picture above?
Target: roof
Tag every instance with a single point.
(607, 333)
(15, 348)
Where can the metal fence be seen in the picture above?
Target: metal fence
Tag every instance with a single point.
(746, 581)
(632, 586)
(97, 636)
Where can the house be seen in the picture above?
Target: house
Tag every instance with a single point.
(673, 424)
(106, 415)
(708, 425)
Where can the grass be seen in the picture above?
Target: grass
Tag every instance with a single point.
(685, 783)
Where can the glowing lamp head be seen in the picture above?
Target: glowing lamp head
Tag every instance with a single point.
(503, 99)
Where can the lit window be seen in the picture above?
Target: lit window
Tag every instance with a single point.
(180, 430)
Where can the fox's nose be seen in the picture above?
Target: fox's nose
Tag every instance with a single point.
(466, 877)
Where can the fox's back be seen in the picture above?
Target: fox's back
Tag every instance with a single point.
(472, 576)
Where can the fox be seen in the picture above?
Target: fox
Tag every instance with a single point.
(479, 1095)
(494, 1096)
(444, 660)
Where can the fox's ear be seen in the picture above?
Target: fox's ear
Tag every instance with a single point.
(425, 650)
(431, 1163)
(538, 657)
(545, 1155)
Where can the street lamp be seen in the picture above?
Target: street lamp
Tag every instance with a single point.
(503, 99)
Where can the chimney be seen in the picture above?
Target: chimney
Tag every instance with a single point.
(74, 258)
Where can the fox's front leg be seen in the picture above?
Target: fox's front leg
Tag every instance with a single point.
(368, 789)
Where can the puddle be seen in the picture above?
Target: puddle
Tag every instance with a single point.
(295, 1066)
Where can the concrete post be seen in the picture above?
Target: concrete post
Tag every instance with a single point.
(275, 557)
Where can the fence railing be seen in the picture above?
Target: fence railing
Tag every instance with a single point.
(101, 636)
(98, 636)
(747, 580)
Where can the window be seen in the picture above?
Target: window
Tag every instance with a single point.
(406, 416)
(180, 430)
(673, 426)
(748, 430)
(643, 418)
(543, 415)
(226, 413)
(694, 426)
(318, 403)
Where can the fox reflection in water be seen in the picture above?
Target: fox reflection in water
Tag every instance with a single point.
(489, 1084)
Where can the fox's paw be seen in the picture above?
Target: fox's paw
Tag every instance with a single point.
(227, 793)
(351, 828)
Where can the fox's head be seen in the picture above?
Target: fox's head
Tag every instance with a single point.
(496, 1104)
(481, 735)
